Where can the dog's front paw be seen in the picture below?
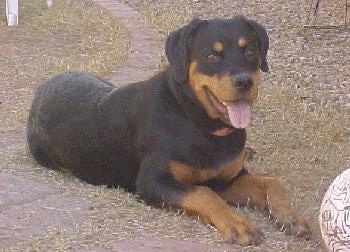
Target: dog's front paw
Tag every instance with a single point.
(294, 225)
(240, 231)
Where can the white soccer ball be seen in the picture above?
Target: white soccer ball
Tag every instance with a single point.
(335, 214)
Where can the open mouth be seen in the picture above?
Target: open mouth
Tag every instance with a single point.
(234, 113)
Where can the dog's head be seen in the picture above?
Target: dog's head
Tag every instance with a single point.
(220, 60)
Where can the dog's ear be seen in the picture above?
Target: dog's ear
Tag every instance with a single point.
(264, 43)
(177, 52)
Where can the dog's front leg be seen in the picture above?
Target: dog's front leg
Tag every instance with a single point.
(156, 185)
(267, 192)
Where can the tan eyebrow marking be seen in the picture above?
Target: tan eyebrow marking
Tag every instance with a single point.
(218, 47)
(242, 42)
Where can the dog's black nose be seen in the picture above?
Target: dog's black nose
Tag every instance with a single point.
(243, 82)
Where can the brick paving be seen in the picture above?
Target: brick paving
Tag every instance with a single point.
(147, 244)
(28, 207)
(145, 44)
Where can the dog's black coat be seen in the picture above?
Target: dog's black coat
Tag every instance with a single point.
(102, 133)
(127, 136)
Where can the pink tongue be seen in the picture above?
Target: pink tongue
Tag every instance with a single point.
(239, 113)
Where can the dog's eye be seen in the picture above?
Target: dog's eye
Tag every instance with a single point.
(213, 58)
(250, 52)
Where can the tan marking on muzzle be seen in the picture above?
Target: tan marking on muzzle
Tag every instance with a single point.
(221, 86)
(254, 90)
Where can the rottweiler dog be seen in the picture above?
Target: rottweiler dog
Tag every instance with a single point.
(177, 139)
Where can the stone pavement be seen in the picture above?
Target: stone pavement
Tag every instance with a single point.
(28, 207)
(145, 44)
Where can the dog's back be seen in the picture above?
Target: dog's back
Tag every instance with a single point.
(65, 123)
(57, 101)
(81, 124)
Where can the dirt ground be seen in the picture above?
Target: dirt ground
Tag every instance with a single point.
(300, 130)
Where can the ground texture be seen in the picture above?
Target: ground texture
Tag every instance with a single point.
(300, 131)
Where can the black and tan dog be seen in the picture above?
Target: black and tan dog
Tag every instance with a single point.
(177, 139)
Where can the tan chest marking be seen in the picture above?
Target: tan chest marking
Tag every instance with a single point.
(191, 175)
(218, 47)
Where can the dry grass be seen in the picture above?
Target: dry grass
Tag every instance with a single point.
(328, 13)
(72, 35)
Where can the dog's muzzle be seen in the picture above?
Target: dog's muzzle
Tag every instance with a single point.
(243, 81)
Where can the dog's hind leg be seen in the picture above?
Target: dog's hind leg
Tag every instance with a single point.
(42, 152)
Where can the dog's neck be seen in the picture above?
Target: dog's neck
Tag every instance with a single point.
(190, 105)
